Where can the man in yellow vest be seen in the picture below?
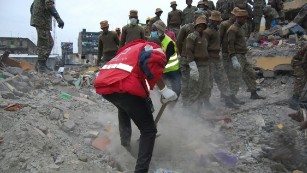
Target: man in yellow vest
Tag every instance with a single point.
(171, 72)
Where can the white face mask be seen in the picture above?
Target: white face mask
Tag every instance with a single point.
(133, 21)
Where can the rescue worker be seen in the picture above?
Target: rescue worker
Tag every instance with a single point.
(188, 13)
(122, 81)
(197, 57)
(174, 19)
(171, 73)
(210, 4)
(257, 13)
(119, 33)
(217, 71)
(202, 6)
(185, 30)
(42, 12)
(231, 73)
(108, 43)
(225, 7)
(132, 31)
(156, 18)
(299, 64)
(237, 49)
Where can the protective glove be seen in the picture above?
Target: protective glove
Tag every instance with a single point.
(60, 23)
(194, 74)
(168, 95)
(235, 63)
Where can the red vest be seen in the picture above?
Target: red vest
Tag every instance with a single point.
(122, 74)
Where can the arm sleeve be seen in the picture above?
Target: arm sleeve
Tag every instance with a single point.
(190, 49)
(49, 4)
(170, 50)
(123, 38)
(116, 39)
(222, 32)
(100, 49)
(142, 33)
(180, 39)
(168, 18)
(231, 37)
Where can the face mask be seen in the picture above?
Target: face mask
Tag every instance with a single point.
(133, 21)
(201, 9)
(154, 34)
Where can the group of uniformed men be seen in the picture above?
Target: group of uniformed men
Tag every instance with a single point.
(208, 45)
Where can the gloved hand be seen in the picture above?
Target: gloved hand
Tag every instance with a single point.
(194, 74)
(60, 22)
(168, 95)
(235, 63)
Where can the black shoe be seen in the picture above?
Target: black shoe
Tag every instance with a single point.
(255, 96)
(236, 101)
(42, 67)
(229, 103)
(294, 103)
(209, 106)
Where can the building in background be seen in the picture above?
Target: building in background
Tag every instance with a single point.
(67, 49)
(17, 45)
(88, 45)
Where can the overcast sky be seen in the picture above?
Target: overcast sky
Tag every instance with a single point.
(78, 14)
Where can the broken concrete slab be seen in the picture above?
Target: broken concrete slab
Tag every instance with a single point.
(269, 63)
(268, 73)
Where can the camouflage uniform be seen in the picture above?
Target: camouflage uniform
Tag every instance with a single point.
(237, 47)
(174, 21)
(216, 66)
(41, 19)
(269, 14)
(196, 51)
(210, 5)
(188, 15)
(299, 64)
(248, 26)
(107, 46)
(278, 5)
(225, 7)
(232, 74)
(131, 33)
(257, 13)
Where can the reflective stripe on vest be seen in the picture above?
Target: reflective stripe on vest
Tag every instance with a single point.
(173, 62)
(121, 66)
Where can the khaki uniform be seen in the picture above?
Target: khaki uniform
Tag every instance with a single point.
(196, 51)
(130, 33)
(188, 15)
(237, 47)
(257, 13)
(225, 7)
(299, 64)
(174, 21)
(216, 65)
(107, 46)
(211, 5)
(183, 63)
(41, 19)
(231, 73)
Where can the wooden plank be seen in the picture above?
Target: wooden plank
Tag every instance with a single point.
(294, 4)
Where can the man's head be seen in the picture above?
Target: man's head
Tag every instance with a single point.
(201, 5)
(173, 5)
(159, 28)
(104, 25)
(215, 17)
(158, 12)
(148, 20)
(117, 30)
(201, 23)
(233, 16)
(241, 16)
(133, 17)
(197, 14)
(189, 2)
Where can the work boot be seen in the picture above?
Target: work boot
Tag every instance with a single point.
(236, 101)
(294, 103)
(255, 96)
(42, 67)
(229, 103)
(208, 105)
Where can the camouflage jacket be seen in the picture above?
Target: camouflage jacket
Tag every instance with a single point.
(174, 18)
(225, 7)
(212, 36)
(236, 40)
(181, 38)
(300, 58)
(131, 33)
(196, 47)
(188, 15)
(40, 15)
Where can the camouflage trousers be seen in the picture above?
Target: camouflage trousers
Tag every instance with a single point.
(258, 12)
(185, 78)
(300, 80)
(232, 74)
(247, 72)
(218, 74)
(44, 43)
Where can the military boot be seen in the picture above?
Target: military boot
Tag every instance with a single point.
(42, 67)
(255, 96)
(294, 103)
(229, 103)
(208, 105)
(236, 101)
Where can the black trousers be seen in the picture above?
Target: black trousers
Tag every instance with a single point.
(134, 107)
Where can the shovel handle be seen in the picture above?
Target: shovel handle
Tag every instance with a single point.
(161, 110)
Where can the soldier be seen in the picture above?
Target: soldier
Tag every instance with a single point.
(257, 13)
(203, 6)
(270, 14)
(174, 18)
(156, 18)
(278, 5)
(210, 4)
(237, 49)
(188, 13)
(147, 29)
(184, 65)
(299, 64)
(231, 73)
(248, 26)
(197, 57)
(42, 12)
(119, 34)
(132, 31)
(212, 36)
(225, 7)
(108, 43)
